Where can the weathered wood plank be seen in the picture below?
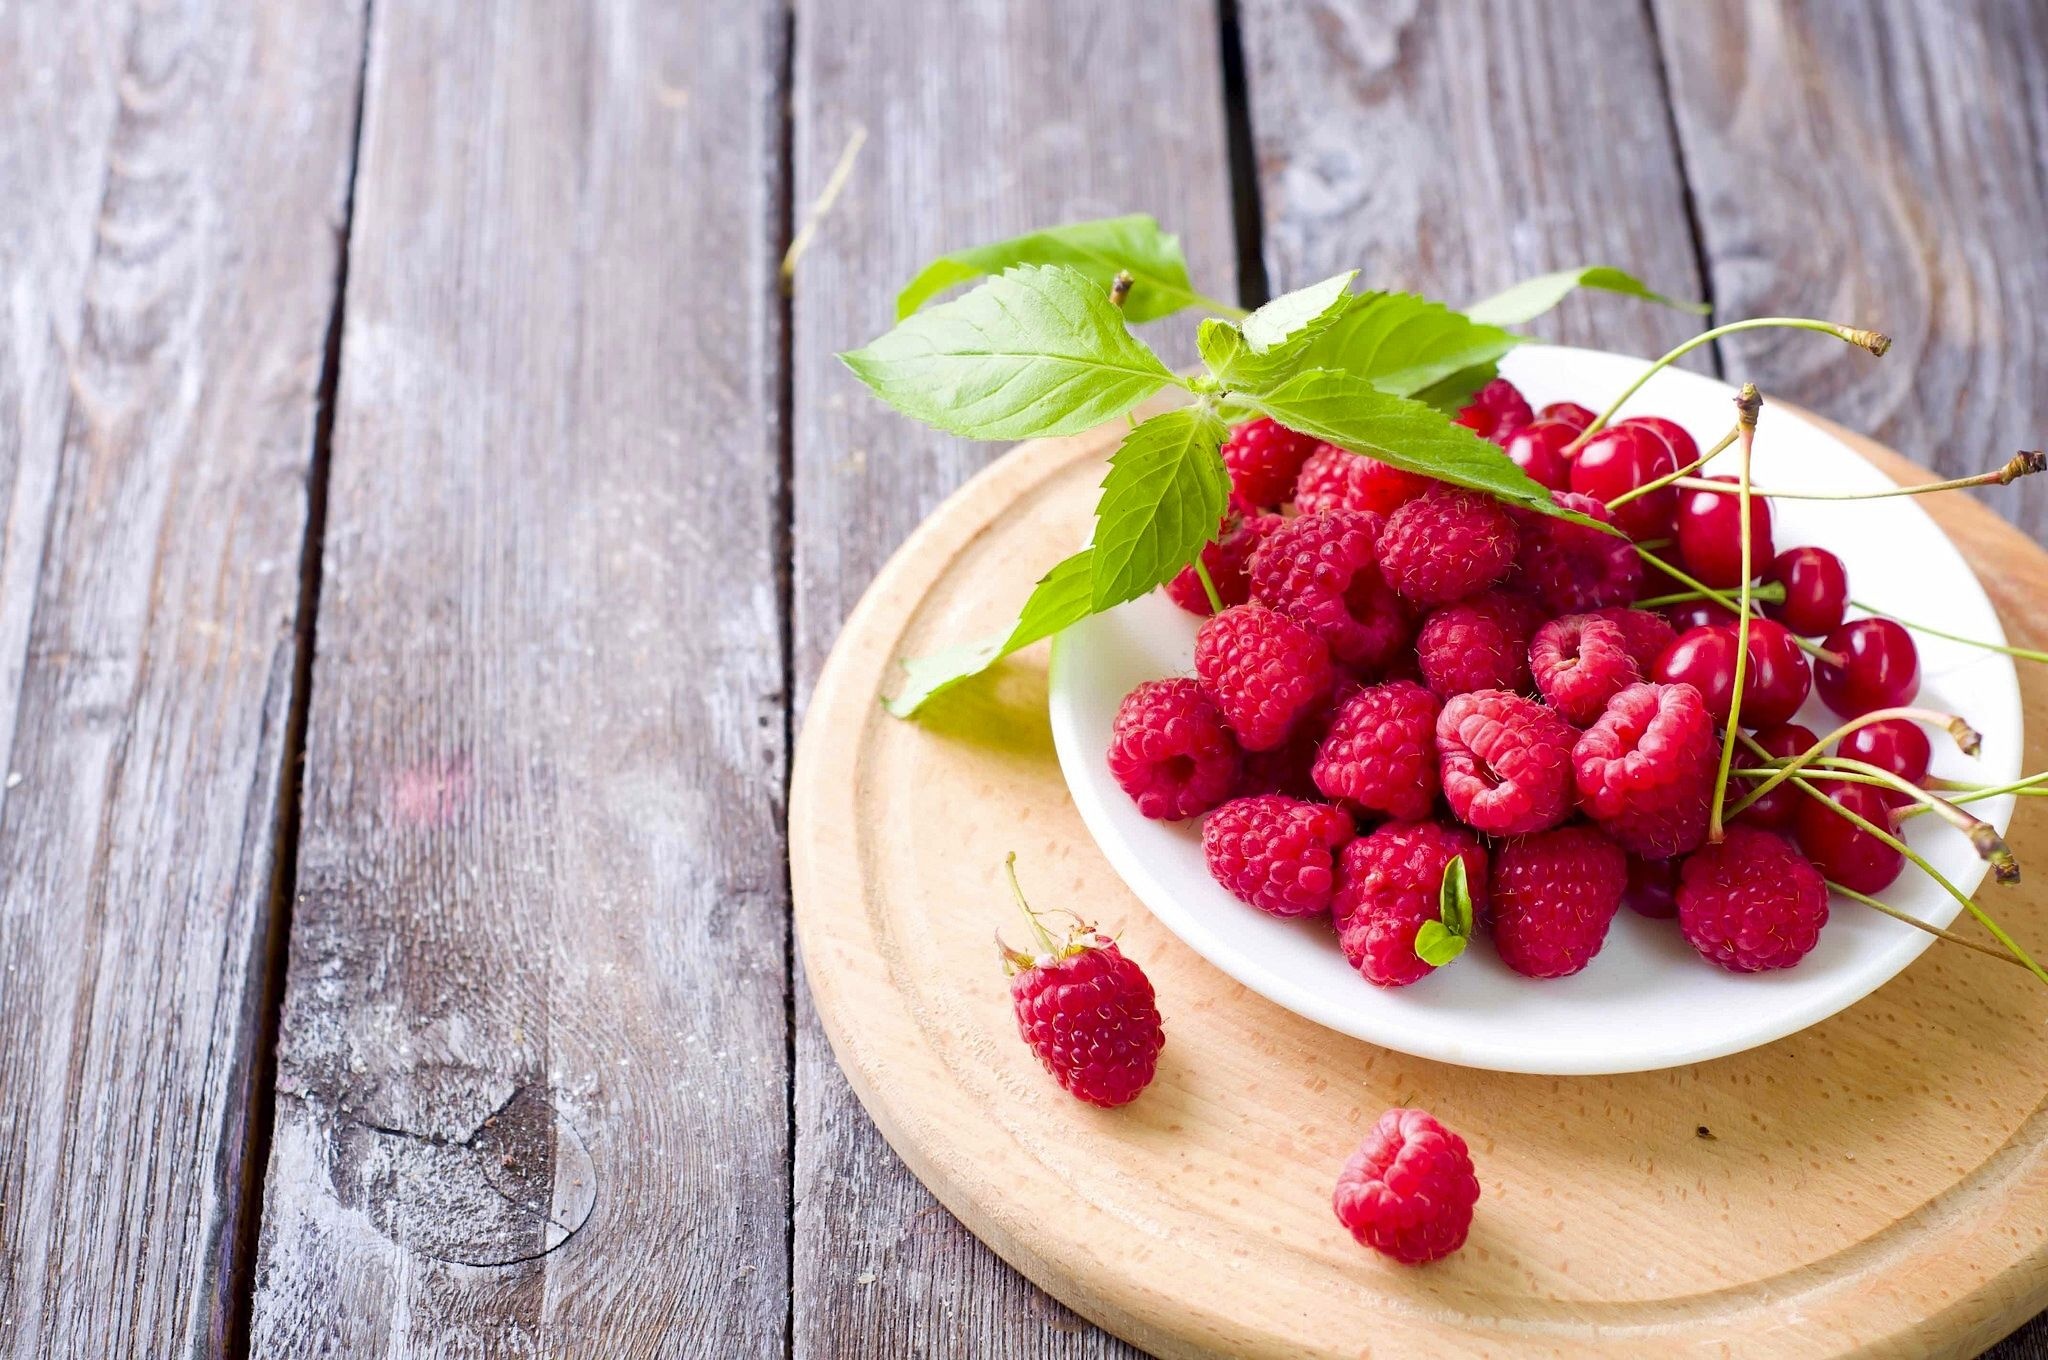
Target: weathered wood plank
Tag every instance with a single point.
(1455, 148)
(1886, 163)
(175, 185)
(983, 119)
(532, 1074)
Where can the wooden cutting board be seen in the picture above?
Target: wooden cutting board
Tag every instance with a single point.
(1877, 1185)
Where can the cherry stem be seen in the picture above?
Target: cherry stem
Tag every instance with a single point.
(1208, 586)
(1046, 944)
(2023, 653)
(2020, 466)
(1984, 838)
(1748, 406)
(1771, 592)
(1870, 340)
(2030, 786)
(1965, 941)
(1668, 478)
(1965, 737)
(1706, 592)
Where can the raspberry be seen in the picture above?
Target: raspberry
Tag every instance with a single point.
(1496, 411)
(1572, 568)
(1086, 1011)
(1752, 902)
(1322, 569)
(1645, 769)
(1265, 671)
(1408, 1191)
(1505, 762)
(1227, 559)
(1264, 457)
(1644, 632)
(1381, 751)
(1447, 545)
(1553, 898)
(1481, 642)
(1388, 884)
(1170, 751)
(1580, 662)
(1278, 854)
(1338, 479)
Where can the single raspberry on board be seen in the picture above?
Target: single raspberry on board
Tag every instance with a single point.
(1388, 883)
(1645, 633)
(1409, 1190)
(1322, 569)
(1278, 854)
(1505, 761)
(1645, 770)
(1264, 458)
(1573, 568)
(1481, 642)
(1338, 479)
(1380, 751)
(1447, 545)
(1265, 670)
(1496, 411)
(1751, 902)
(1170, 750)
(1228, 560)
(1581, 661)
(1554, 896)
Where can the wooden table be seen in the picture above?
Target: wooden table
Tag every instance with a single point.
(423, 513)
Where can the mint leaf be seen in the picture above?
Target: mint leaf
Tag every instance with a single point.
(1404, 344)
(1096, 250)
(1454, 898)
(1164, 496)
(1061, 597)
(1531, 298)
(1436, 946)
(1295, 313)
(1222, 347)
(1035, 351)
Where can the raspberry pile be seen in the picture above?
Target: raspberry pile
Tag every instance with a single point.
(1409, 676)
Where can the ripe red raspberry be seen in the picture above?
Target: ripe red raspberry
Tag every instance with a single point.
(1581, 661)
(1322, 569)
(1447, 545)
(1751, 902)
(1645, 633)
(1481, 642)
(1506, 762)
(1228, 560)
(1645, 770)
(1554, 896)
(1495, 412)
(1409, 1190)
(1086, 1011)
(1380, 752)
(1338, 479)
(1388, 884)
(1574, 569)
(1170, 750)
(1278, 854)
(1264, 458)
(1265, 670)
(1288, 768)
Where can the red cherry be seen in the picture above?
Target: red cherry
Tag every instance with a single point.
(1842, 850)
(1570, 412)
(1653, 887)
(1705, 659)
(1881, 667)
(1780, 806)
(1697, 614)
(1778, 679)
(1538, 449)
(1683, 448)
(1899, 745)
(1620, 459)
(1710, 535)
(1816, 590)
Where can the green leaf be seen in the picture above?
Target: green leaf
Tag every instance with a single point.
(1436, 946)
(1061, 597)
(1531, 298)
(1035, 351)
(1164, 496)
(1454, 898)
(1222, 347)
(1296, 313)
(1398, 342)
(1096, 250)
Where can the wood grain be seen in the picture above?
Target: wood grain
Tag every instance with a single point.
(531, 1078)
(983, 119)
(1887, 163)
(1454, 148)
(169, 265)
(1871, 1186)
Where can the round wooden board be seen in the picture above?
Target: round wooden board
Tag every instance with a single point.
(1876, 1185)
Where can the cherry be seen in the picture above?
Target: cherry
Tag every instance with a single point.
(1899, 745)
(1620, 459)
(1780, 806)
(1710, 535)
(1570, 412)
(1704, 658)
(1653, 887)
(1816, 590)
(1697, 614)
(1775, 684)
(1842, 850)
(1538, 449)
(1683, 448)
(1881, 667)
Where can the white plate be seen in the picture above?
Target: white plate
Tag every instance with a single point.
(1647, 1001)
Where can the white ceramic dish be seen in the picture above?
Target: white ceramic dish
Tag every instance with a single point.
(1647, 1001)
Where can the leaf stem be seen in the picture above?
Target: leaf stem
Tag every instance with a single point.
(1668, 478)
(1918, 924)
(2023, 653)
(1208, 586)
(1748, 406)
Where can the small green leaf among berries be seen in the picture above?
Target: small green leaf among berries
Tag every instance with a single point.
(1061, 597)
(1531, 298)
(1097, 250)
(1166, 493)
(1299, 313)
(1440, 941)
